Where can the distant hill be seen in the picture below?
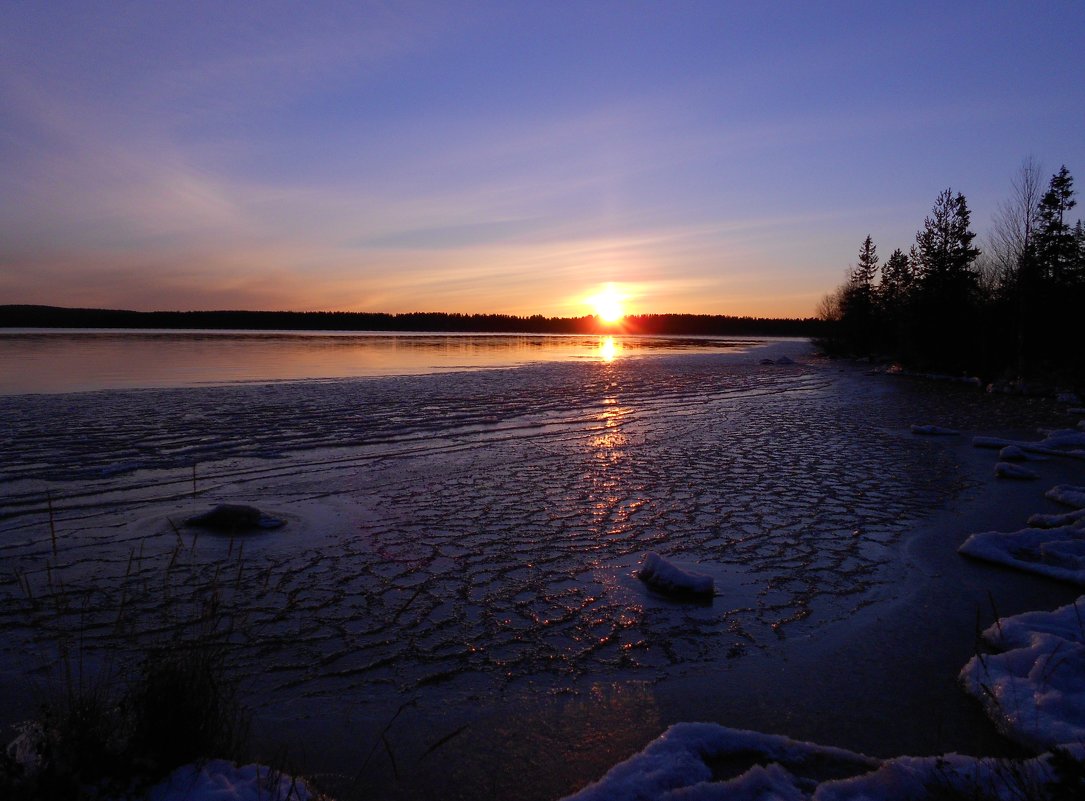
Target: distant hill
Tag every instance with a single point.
(23, 316)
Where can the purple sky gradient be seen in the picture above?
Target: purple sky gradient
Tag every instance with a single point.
(705, 157)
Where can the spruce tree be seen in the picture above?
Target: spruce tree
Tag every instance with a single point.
(1055, 249)
(947, 299)
(858, 314)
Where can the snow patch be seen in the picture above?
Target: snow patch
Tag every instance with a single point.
(1015, 471)
(1056, 521)
(1065, 442)
(707, 762)
(1067, 622)
(1054, 552)
(219, 780)
(1035, 690)
(1067, 495)
(679, 765)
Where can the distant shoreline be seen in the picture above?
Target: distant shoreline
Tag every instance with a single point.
(29, 316)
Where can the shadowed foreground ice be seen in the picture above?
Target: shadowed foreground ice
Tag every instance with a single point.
(452, 539)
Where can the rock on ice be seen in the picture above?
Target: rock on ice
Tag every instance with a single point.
(668, 578)
(231, 518)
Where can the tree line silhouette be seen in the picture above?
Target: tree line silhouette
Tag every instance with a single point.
(23, 316)
(1013, 311)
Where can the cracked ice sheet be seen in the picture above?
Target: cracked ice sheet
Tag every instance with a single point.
(1035, 690)
(707, 762)
(436, 539)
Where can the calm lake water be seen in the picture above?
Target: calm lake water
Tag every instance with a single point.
(53, 361)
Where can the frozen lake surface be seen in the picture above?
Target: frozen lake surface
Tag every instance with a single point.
(456, 542)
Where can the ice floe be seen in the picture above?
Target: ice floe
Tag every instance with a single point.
(1034, 690)
(668, 578)
(708, 762)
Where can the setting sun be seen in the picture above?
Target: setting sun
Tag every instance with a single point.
(608, 304)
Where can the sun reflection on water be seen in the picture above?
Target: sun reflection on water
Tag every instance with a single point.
(608, 349)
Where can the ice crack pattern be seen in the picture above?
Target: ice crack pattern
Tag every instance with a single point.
(464, 531)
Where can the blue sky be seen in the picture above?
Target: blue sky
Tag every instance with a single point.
(705, 157)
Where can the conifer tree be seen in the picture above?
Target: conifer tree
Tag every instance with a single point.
(896, 283)
(1054, 243)
(946, 303)
(858, 313)
(944, 253)
(894, 299)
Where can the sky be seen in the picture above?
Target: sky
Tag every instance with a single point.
(508, 157)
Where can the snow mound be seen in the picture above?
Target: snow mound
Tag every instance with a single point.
(1013, 453)
(1035, 692)
(1067, 442)
(1067, 439)
(707, 762)
(934, 431)
(1076, 517)
(668, 578)
(680, 764)
(1067, 622)
(1054, 552)
(1067, 495)
(219, 780)
(1016, 471)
